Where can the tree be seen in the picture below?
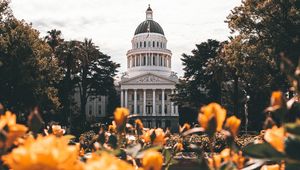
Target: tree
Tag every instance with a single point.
(266, 32)
(54, 38)
(95, 74)
(27, 75)
(199, 86)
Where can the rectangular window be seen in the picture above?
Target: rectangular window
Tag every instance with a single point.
(160, 108)
(99, 110)
(138, 97)
(153, 44)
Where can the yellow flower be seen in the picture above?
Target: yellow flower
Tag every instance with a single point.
(112, 128)
(152, 160)
(120, 116)
(233, 123)
(179, 146)
(276, 99)
(47, 153)
(57, 130)
(158, 135)
(185, 127)
(212, 112)
(215, 161)
(275, 137)
(270, 167)
(225, 154)
(139, 124)
(238, 159)
(10, 129)
(107, 162)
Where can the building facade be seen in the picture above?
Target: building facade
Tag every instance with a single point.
(147, 85)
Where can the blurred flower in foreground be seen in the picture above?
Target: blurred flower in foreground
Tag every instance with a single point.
(120, 116)
(106, 161)
(139, 124)
(156, 136)
(185, 127)
(270, 167)
(275, 137)
(152, 160)
(47, 153)
(57, 130)
(112, 128)
(211, 117)
(233, 124)
(10, 130)
(215, 161)
(277, 101)
(178, 146)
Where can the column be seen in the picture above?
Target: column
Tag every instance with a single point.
(172, 104)
(126, 98)
(163, 102)
(121, 102)
(141, 59)
(135, 103)
(176, 107)
(153, 103)
(144, 103)
(146, 58)
(135, 58)
(151, 56)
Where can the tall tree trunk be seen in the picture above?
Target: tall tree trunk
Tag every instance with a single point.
(236, 95)
(83, 96)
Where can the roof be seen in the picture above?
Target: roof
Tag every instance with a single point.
(153, 26)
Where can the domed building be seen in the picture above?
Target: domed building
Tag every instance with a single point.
(147, 84)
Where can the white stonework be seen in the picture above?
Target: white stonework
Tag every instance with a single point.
(147, 84)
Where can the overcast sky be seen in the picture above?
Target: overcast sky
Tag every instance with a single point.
(111, 23)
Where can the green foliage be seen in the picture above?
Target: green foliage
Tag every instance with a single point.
(28, 73)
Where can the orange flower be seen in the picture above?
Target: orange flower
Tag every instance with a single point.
(107, 162)
(47, 153)
(139, 124)
(239, 160)
(120, 116)
(156, 136)
(215, 161)
(225, 154)
(112, 128)
(233, 123)
(159, 137)
(275, 137)
(270, 167)
(152, 160)
(212, 112)
(276, 99)
(185, 127)
(57, 130)
(179, 146)
(10, 129)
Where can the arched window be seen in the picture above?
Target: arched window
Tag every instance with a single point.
(145, 44)
(153, 44)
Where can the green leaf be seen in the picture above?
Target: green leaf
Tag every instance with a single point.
(293, 128)
(263, 151)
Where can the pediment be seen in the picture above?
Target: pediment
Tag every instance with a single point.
(148, 79)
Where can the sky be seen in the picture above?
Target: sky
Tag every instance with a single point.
(111, 23)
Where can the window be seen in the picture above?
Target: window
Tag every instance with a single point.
(157, 44)
(168, 123)
(160, 44)
(145, 44)
(138, 109)
(166, 108)
(158, 124)
(154, 60)
(138, 97)
(160, 97)
(141, 44)
(90, 109)
(132, 97)
(144, 61)
(99, 110)
(153, 44)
